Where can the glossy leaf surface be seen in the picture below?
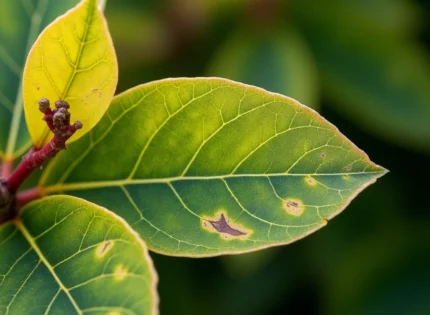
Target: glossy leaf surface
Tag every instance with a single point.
(16, 39)
(203, 167)
(73, 60)
(68, 256)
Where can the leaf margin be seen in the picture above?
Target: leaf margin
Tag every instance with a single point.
(98, 8)
(19, 225)
(53, 189)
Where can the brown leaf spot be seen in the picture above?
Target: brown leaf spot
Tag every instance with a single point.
(323, 155)
(222, 225)
(293, 207)
(349, 168)
(310, 181)
(104, 248)
(98, 92)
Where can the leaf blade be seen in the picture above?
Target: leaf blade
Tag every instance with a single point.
(16, 39)
(67, 281)
(73, 60)
(192, 163)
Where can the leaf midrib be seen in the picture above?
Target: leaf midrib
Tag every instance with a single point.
(81, 47)
(113, 183)
(42, 258)
(75, 66)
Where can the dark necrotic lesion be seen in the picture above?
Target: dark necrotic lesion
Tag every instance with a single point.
(222, 226)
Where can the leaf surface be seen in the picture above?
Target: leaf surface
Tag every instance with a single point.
(20, 24)
(73, 60)
(68, 256)
(203, 167)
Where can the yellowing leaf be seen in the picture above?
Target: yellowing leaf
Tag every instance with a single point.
(73, 60)
(20, 25)
(209, 167)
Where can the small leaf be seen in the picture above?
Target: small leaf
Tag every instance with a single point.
(68, 256)
(276, 60)
(203, 167)
(20, 24)
(73, 60)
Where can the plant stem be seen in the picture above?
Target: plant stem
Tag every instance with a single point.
(27, 196)
(6, 169)
(7, 202)
(33, 160)
(58, 121)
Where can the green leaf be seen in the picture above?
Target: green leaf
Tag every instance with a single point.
(68, 256)
(20, 24)
(276, 60)
(380, 81)
(203, 167)
(72, 60)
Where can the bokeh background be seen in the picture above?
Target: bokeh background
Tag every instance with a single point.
(365, 66)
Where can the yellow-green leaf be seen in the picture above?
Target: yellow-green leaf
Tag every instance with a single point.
(68, 256)
(203, 167)
(20, 24)
(73, 60)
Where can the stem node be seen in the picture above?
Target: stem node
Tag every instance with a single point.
(58, 121)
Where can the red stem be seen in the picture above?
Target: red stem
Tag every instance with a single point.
(6, 169)
(33, 160)
(58, 121)
(27, 196)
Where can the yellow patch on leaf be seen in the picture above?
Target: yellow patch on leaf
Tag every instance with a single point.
(73, 60)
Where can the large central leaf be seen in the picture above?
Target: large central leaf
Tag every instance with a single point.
(204, 167)
(68, 256)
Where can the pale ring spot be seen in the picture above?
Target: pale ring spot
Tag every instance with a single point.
(293, 207)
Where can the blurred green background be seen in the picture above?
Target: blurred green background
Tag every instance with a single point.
(365, 66)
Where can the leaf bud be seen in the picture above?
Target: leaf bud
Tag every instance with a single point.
(58, 120)
(62, 104)
(78, 125)
(44, 105)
